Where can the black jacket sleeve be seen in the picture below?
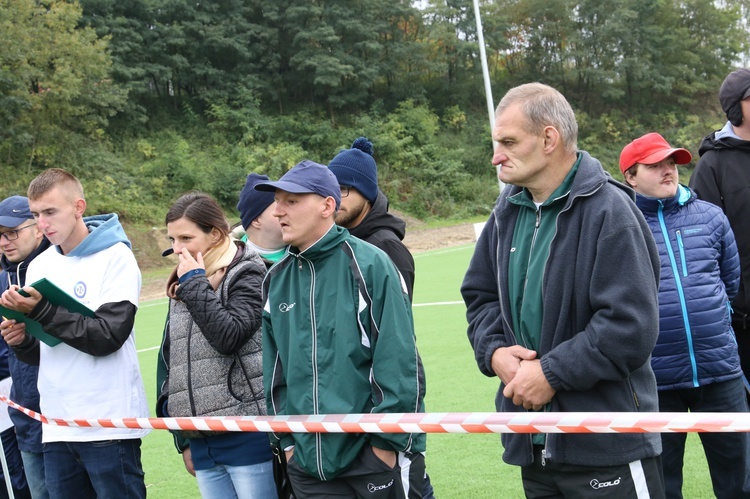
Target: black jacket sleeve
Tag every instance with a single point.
(28, 351)
(226, 326)
(705, 182)
(100, 335)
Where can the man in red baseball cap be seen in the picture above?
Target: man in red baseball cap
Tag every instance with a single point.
(695, 359)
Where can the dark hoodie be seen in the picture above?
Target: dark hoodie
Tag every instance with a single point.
(23, 390)
(722, 177)
(386, 231)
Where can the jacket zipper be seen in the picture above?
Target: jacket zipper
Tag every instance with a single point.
(681, 246)
(537, 223)
(314, 361)
(680, 292)
(190, 371)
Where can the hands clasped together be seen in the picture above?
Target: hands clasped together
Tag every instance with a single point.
(521, 373)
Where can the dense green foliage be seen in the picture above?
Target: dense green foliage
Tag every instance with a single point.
(144, 99)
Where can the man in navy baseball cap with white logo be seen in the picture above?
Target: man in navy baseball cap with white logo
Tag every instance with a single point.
(14, 211)
(313, 186)
(338, 300)
(20, 242)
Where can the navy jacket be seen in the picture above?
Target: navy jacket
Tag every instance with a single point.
(23, 391)
(700, 273)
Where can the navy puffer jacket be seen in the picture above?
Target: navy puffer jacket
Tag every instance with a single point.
(699, 276)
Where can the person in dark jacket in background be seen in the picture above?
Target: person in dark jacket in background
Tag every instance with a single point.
(561, 298)
(722, 177)
(210, 363)
(20, 242)
(364, 208)
(695, 359)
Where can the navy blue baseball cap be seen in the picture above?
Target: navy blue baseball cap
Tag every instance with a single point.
(253, 203)
(14, 211)
(306, 177)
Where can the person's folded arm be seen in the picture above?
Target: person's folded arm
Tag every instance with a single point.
(100, 335)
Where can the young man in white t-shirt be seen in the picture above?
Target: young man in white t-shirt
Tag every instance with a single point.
(93, 373)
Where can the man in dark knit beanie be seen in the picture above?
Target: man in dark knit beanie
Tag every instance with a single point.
(364, 212)
(364, 208)
(262, 229)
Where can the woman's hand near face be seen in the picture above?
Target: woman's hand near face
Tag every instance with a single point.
(188, 263)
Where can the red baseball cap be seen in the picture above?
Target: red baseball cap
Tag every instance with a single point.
(650, 149)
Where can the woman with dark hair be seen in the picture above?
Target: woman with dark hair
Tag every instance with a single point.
(210, 363)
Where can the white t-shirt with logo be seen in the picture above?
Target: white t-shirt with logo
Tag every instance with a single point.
(76, 385)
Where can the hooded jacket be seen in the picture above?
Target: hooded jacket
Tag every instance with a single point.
(94, 372)
(700, 273)
(23, 391)
(600, 316)
(338, 338)
(722, 177)
(386, 231)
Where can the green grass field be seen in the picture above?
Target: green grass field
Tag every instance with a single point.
(460, 465)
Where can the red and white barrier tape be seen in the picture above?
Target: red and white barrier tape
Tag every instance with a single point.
(454, 422)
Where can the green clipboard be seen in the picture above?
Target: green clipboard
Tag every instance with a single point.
(55, 296)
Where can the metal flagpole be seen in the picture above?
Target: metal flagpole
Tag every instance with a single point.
(486, 74)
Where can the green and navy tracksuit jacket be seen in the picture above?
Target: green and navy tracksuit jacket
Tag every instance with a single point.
(338, 338)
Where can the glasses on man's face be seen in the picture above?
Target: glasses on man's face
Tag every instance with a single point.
(12, 235)
(344, 190)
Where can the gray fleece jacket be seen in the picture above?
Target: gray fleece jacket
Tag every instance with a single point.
(600, 319)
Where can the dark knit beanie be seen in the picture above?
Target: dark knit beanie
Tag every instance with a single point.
(356, 168)
(253, 203)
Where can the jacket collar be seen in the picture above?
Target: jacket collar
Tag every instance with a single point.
(324, 246)
(650, 206)
(589, 178)
(20, 267)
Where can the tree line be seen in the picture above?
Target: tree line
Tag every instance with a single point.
(144, 99)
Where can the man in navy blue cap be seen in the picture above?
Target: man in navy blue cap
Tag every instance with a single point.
(262, 230)
(338, 338)
(20, 242)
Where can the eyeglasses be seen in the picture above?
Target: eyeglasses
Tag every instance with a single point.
(344, 190)
(12, 235)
